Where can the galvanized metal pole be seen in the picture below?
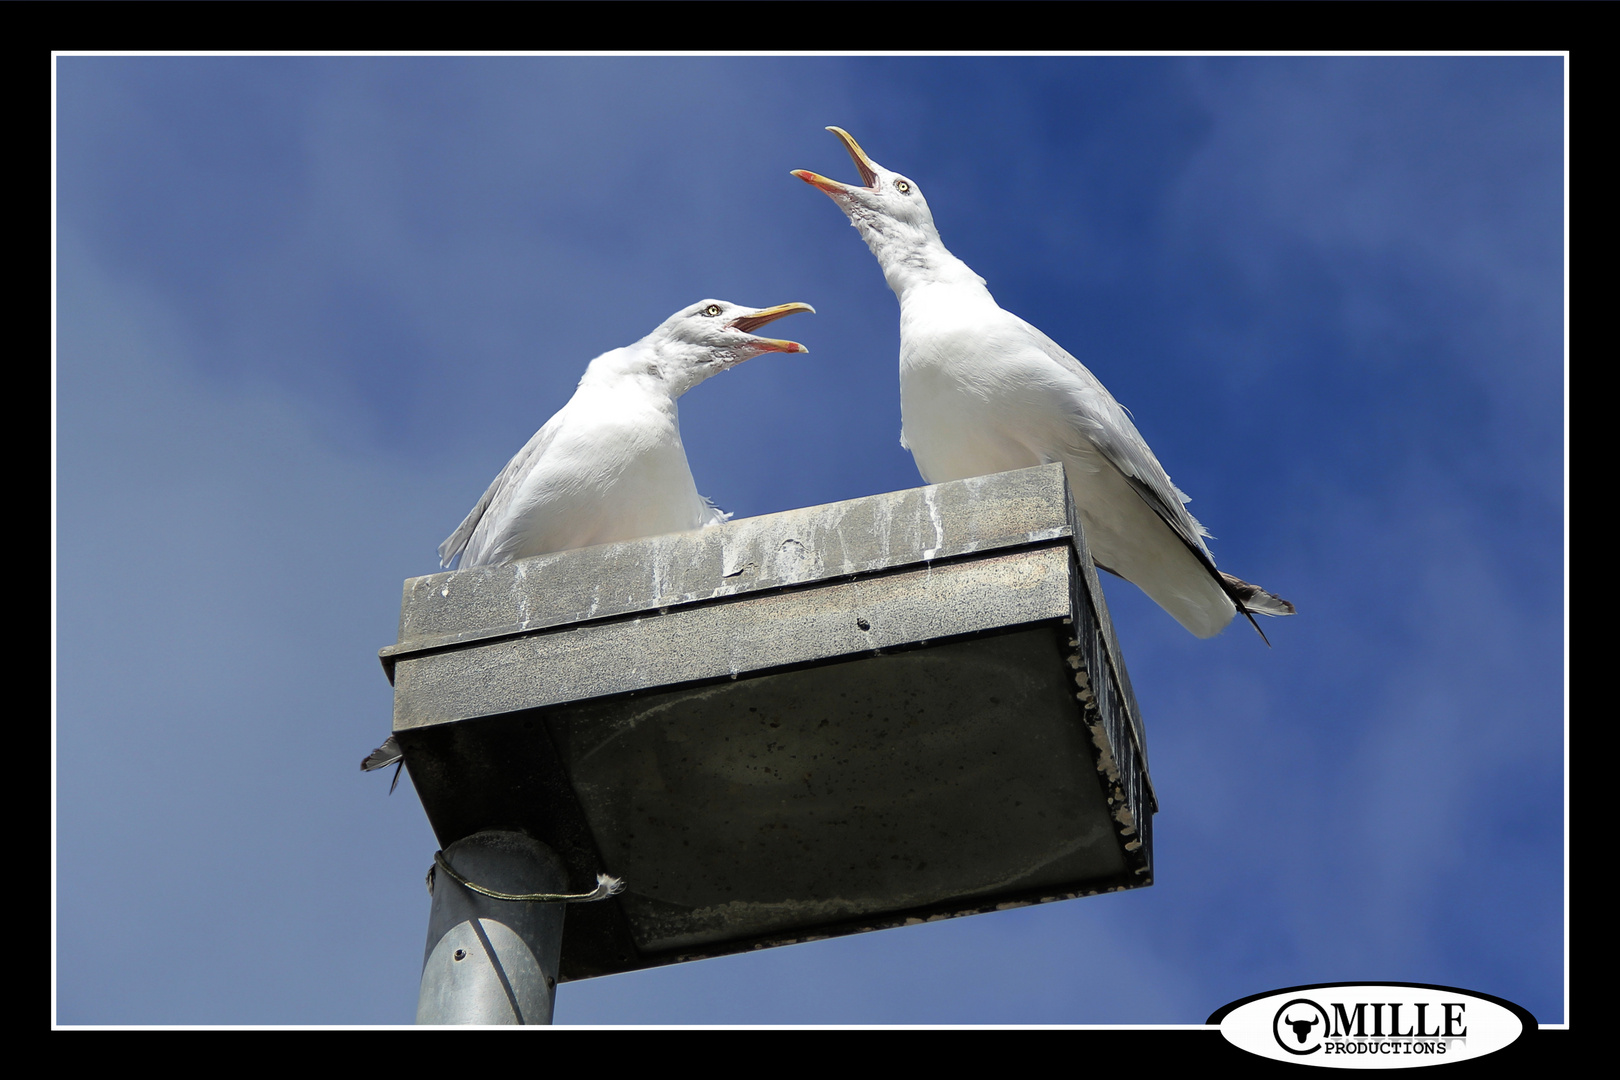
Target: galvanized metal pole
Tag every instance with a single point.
(493, 961)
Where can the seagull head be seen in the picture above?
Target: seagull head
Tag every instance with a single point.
(893, 218)
(712, 335)
(883, 200)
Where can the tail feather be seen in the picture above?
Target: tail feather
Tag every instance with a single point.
(382, 757)
(389, 753)
(1254, 598)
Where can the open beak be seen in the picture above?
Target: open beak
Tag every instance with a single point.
(749, 323)
(865, 164)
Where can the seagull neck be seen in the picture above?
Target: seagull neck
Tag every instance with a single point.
(913, 262)
(643, 367)
(677, 366)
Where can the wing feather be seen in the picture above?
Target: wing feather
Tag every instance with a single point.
(498, 496)
(1110, 430)
(1112, 433)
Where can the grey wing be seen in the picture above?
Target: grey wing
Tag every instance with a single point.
(1116, 437)
(1110, 429)
(500, 491)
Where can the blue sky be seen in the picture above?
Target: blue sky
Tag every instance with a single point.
(307, 308)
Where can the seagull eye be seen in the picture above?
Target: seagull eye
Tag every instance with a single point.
(712, 310)
(902, 187)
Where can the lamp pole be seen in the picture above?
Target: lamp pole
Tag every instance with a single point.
(492, 961)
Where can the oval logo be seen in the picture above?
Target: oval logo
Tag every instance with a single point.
(1372, 1025)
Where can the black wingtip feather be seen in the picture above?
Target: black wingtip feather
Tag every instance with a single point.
(1247, 614)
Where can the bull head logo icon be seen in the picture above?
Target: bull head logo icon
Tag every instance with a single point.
(1302, 1028)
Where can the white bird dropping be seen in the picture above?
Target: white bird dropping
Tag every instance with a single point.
(983, 391)
(610, 464)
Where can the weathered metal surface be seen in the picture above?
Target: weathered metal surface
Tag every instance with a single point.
(722, 640)
(816, 543)
(939, 773)
(836, 719)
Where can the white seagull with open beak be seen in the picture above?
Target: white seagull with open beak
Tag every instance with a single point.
(610, 464)
(983, 391)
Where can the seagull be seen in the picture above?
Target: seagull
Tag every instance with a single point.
(983, 391)
(610, 464)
